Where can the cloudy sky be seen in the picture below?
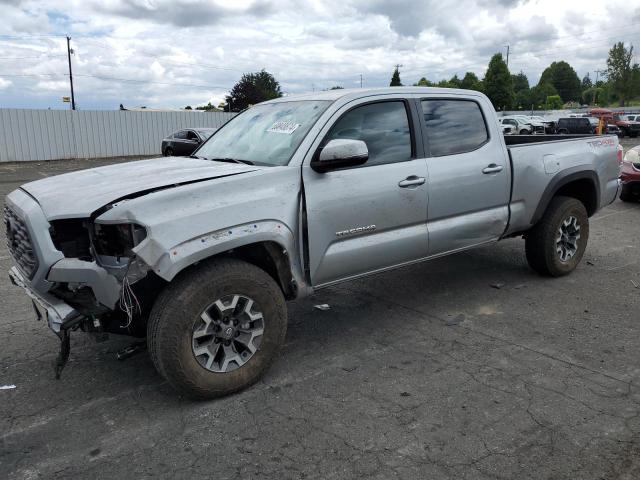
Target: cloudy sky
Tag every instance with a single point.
(163, 53)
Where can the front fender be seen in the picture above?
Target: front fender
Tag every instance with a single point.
(168, 262)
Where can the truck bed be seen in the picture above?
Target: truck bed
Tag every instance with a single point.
(541, 163)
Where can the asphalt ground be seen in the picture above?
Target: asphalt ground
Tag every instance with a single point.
(466, 367)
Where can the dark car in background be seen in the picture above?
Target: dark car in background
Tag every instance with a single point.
(184, 142)
(574, 125)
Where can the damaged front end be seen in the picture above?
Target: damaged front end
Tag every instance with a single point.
(80, 274)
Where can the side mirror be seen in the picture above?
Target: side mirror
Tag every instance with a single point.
(340, 153)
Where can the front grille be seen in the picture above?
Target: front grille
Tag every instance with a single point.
(19, 243)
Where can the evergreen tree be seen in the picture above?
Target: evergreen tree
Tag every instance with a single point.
(497, 83)
(395, 79)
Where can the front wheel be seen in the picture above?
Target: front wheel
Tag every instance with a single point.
(524, 132)
(556, 244)
(168, 152)
(217, 328)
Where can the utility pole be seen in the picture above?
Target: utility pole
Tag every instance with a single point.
(507, 55)
(69, 52)
(595, 86)
(360, 80)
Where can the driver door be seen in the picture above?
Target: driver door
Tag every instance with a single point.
(371, 217)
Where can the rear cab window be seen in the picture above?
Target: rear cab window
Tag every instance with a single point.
(453, 126)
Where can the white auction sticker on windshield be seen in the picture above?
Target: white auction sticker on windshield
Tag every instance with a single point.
(283, 127)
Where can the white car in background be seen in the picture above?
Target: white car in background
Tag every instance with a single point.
(519, 124)
(537, 124)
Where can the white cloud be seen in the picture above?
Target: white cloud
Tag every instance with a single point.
(4, 83)
(195, 50)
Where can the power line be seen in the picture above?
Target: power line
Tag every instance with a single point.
(35, 56)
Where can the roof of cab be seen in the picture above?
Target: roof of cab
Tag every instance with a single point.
(355, 93)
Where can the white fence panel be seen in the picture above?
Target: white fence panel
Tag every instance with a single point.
(27, 135)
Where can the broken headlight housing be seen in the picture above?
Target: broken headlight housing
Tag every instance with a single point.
(117, 240)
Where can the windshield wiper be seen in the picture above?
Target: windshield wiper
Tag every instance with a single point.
(232, 160)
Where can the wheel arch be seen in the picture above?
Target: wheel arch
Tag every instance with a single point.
(583, 185)
(268, 245)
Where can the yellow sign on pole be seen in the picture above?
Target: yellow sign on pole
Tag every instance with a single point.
(66, 99)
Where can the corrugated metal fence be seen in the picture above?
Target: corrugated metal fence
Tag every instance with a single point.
(55, 134)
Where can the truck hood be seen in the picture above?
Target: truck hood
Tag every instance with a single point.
(79, 194)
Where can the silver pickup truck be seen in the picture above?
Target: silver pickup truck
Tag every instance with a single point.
(200, 254)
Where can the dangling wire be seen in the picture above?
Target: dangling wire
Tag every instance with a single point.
(129, 303)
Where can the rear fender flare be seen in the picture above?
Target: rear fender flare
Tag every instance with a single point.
(561, 179)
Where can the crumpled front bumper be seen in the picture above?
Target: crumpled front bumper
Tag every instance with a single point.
(55, 310)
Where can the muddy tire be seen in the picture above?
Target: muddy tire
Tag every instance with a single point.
(556, 244)
(217, 328)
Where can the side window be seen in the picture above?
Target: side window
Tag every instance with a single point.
(383, 126)
(453, 126)
(181, 135)
(191, 135)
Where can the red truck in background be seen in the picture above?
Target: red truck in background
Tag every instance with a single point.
(627, 127)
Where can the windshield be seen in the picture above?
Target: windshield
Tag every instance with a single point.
(266, 134)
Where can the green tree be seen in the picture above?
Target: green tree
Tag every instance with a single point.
(497, 83)
(251, 89)
(470, 81)
(620, 72)
(337, 87)
(564, 79)
(586, 83)
(188, 107)
(208, 107)
(553, 102)
(423, 82)
(395, 79)
(520, 82)
(455, 82)
(523, 100)
(540, 93)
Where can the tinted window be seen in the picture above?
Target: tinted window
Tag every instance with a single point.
(384, 127)
(191, 135)
(182, 134)
(453, 126)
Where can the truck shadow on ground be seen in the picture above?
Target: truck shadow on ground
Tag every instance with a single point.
(359, 315)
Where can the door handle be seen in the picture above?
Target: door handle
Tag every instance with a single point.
(492, 168)
(411, 181)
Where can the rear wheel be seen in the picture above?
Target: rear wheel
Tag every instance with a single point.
(217, 329)
(556, 244)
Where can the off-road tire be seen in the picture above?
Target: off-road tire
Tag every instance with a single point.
(170, 326)
(541, 240)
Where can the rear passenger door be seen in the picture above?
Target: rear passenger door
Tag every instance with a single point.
(469, 174)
